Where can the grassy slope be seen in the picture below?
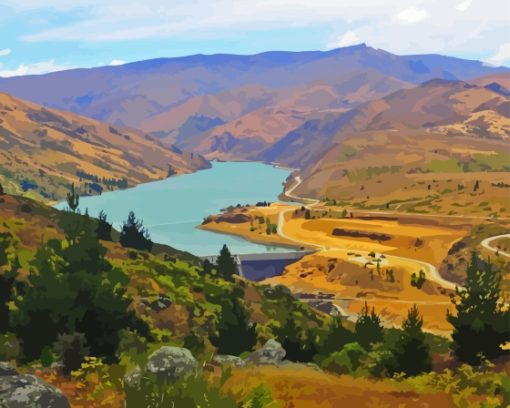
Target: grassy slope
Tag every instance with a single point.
(176, 275)
(43, 151)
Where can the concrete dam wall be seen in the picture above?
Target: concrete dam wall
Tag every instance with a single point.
(257, 267)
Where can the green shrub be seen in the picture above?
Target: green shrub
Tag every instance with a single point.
(260, 397)
(46, 357)
(346, 361)
(9, 347)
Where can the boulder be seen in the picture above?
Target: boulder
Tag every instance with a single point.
(171, 363)
(7, 369)
(29, 391)
(223, 359)
(271, 353)
(133, 378)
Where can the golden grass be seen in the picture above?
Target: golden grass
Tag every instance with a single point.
(305, 387)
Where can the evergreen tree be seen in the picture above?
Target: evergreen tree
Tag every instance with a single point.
(207, 267)
(411, 353)
(134, 235)
(368, 328)
(299, 343)
(236, 334)
(1, 189)
(337, 336)
(226, 264)
(481, 324)
(73, 288)
(73, 199)
(8, 274)
(104, 228)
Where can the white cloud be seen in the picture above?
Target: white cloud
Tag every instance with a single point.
(465, 28)
(117, 62)
(464, 5)
(349, 38)
(412, 15)
(5, 51)
(34, 69)
(501, 56)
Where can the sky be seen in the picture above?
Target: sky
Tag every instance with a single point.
(38, 36)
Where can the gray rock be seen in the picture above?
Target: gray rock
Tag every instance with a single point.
(7, 369)
(29, 391)
(171, 363)
(133, 378)
(223, 359)
(271, 353)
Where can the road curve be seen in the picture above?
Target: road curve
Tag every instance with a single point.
(429, 269)
(486, 243)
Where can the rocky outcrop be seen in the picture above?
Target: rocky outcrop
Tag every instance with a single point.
(29, 391)
(222, 359)
(171, 363)
(133, 378)
(271, 353)
(7, 369)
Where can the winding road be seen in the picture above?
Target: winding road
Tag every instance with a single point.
(429, 269)
(486, 243)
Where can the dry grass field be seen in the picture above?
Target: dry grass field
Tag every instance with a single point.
(363, 257)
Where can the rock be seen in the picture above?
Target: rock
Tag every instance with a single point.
(29, 391)
(223, 359)
(7, 369)
(271, 353)
(133, 378)
(171, 363)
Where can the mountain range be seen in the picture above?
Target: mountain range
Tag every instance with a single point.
(308, 110)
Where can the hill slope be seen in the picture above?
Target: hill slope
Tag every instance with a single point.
(161, 95)
(43, 150)
(413, 145)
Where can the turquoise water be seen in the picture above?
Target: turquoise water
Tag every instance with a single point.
(172, 208)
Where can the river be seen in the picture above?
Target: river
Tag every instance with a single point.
(172, 208)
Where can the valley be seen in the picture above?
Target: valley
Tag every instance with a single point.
(282, 229)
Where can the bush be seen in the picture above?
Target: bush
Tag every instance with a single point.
(260, 397)
(46, 357)
(9, 347)
(346, 361)
(418, 280)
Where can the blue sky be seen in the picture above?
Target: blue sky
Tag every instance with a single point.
(46, 35)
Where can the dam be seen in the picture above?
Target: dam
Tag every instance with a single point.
(257, 267)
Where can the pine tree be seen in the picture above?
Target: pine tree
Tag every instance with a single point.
(104, 228)
(368, 328)
(236, 334)
(134, 235)
(411, 353)
(336, 337)
(226, 264)
(481, 324)
(73, 199)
